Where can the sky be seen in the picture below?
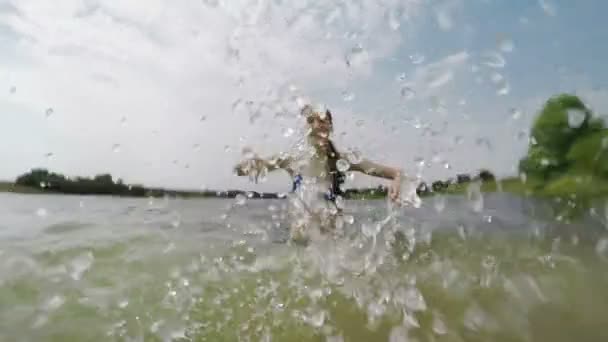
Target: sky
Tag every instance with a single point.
(168, 93)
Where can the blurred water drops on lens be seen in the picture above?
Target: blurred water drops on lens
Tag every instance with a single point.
(505, 45)
(211, 3)
(116, 148)
(515, 113)
(203, 118)
(417, 58)
(439, 326)
(123, 121)
(348, 96)
(439, 78)
(357, 57)
(493, 59)
(354, 157)
(49, 112)
(601, 248)
(407, 93)
(439, 203)
(240, 199)
(548, 7)
(496, 77)
(48, 155)
(41, 212)
(288, 132)
(342, 165)
(576, 117)
(393, 21)
(475, 196)
(12, 90)
(504, 88)
(360, 123)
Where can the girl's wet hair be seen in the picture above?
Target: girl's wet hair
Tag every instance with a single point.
(309, 113)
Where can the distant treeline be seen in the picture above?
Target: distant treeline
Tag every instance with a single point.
(104, 184)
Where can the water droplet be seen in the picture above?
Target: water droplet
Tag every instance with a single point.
(240, 199)
(399, 334)
(41, 212)
(417, 58)
(116, 148)
(348, 96)
(576, 117)
(342, 165)
(81, 264)
(522, 135)
(515, 113)
(506, 45)
(49, 112)
(287, 132)
(176, 221)
(227, 148)
(504, 88)
(439, 203)
(211, 3)
(407, 93)
(401, 77)
(349, 219)
(458, 140)
(447, 166)
(123, 121)
(354, 157)
(393, 21)
(496, 77)
(414, 300)
(547, 7)
(439, 326)
(601, 248)
(203, 118)
(317, 319)
(444, 19)
(475, 196)
(123, 303)
(494, 60)
(48, 155)
(439, 78)
(53, 303)
(357, 57)
(360, 123)
(12, 90)
(334, 339)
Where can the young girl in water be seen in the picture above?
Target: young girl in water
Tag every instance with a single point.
(318, 172)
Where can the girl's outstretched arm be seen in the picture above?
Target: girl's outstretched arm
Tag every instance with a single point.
(377, 170)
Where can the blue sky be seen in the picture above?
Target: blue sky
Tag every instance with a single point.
(141, 77)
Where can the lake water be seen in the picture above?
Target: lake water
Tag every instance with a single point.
(113, 269)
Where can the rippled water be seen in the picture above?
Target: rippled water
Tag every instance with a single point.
(110, 269)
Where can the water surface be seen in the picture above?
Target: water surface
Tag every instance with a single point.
(114, 269)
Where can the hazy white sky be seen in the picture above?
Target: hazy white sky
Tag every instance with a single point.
(168, 92)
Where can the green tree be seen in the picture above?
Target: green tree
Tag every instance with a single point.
(563, 120)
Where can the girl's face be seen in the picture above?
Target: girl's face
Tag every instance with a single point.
(320, 124)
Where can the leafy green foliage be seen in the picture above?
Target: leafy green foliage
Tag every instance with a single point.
(591, 153)
(568, 149)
